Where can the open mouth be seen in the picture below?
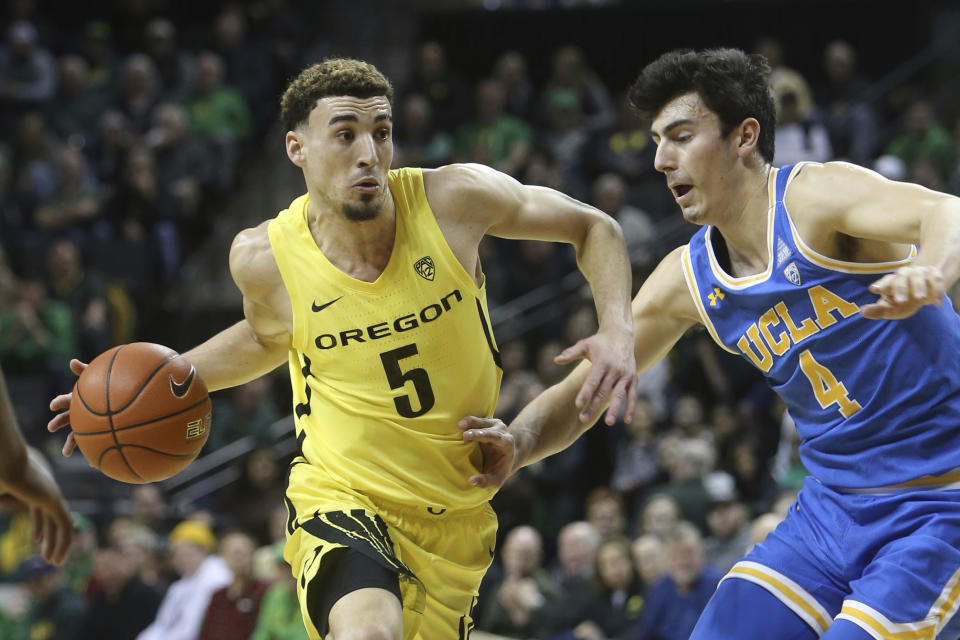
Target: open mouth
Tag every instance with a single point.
(681, 190)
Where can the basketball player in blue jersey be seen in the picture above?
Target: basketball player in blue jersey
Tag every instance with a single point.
(370, 288)
(830, 279)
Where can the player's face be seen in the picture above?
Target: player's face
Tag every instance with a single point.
(348, 148)
(695, 159)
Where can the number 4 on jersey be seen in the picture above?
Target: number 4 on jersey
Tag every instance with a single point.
(827, 389)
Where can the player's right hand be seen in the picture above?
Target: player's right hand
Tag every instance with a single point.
(62, 403)
(35, 489)
(498, 446)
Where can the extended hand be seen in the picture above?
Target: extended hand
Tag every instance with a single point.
(497, 445)
(36, 489)
(63, 419)
(613, 375)
(904, 291)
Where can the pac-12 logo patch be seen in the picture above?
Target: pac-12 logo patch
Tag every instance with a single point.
(425, 268)
(792, 273)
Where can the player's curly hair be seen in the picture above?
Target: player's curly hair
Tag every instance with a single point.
(732, 84)
(332, 77)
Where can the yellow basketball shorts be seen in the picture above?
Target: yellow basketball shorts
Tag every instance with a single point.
(439, 556)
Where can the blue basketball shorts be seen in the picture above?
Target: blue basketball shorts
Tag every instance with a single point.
(888, 564)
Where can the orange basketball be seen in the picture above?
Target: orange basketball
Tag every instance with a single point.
(140, 413)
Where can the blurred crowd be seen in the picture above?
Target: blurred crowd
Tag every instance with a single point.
(121, 145)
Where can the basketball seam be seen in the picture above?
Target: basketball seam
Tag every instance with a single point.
(113, 429)
(120, 446)
(135, 394)
(110, 418)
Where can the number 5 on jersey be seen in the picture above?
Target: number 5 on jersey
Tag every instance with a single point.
(398, 378)
(827, 389)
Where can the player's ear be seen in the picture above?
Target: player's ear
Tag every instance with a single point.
(295, 149)
(748, 137)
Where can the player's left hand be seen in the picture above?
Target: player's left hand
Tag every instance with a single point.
(35, 488)
(498, 446)
(904, 291)
(613, 376)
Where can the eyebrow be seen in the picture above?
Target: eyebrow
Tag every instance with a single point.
(349, 117)
(671, 126)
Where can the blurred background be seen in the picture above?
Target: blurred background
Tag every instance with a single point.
(137, 137)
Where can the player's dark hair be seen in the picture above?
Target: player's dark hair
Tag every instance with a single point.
(732, 84)
(332, 77)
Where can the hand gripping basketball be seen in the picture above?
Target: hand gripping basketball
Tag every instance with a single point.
(139, 412)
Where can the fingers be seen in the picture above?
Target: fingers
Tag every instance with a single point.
(49, 538)
(631, 400)
(617, 400)
(64, 533)
(69, 445)
(77, 367)
(59, 421)
(36, 523)
(904, 291)
(61, 402)
(589, 389)
(571, 353)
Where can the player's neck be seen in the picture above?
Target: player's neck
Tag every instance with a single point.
(745, 226)
(357, 247)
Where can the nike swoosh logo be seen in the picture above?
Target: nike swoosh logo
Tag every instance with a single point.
(320, 307)
(180, 389)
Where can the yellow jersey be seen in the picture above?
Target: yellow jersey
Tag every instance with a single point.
(382, 371)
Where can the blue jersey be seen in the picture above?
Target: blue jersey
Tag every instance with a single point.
(876, 402)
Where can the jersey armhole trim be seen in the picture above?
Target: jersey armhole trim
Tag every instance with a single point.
(691, 281)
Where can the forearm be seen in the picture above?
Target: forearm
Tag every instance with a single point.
(940, 240)
(13, 449)
(602, 258)
(235, 356)
(550, 423)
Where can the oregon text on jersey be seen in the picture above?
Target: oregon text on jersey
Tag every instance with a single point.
(405, 322)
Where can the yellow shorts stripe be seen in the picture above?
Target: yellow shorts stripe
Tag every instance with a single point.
(881, 627)
(786, 590)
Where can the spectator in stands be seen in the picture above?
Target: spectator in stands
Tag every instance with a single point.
(648, 558)
(610, 196)
(248, 412)
(73, 207)
(922, 137)
(526, 591)
(55, 611)
(493, 137)
(233, 610)
(635, 465)
(675, 602)
(247, 65)
(798, 136)
(105, 70)
(280, 617)
(417, 141)
(510, 70)
(441, 86)
(201, 574)
(249, 502)
(219, 118)
(570, 71)
(77, 106)
(617, 602)
(851, 122)
(139, 92)
(123, 605)
(693, 460)
(659, 515)
(107, 149)
(605, 510)
(175, 68)
(28, 71)
(728, 523)
(36, 334)
(149, 508)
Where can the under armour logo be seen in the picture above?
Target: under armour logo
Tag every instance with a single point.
(716, 296)
(425, 268)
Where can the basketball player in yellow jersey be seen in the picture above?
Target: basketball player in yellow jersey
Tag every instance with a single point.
(370, 287)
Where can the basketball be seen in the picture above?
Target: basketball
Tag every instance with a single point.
(140, 413)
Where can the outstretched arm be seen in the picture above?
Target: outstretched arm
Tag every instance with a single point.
(252, 347)
(474, 200)
(24, 476)
(662, 311)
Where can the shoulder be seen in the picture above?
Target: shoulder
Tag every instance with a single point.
(252, 262)
(453, 185)
(824, 188)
